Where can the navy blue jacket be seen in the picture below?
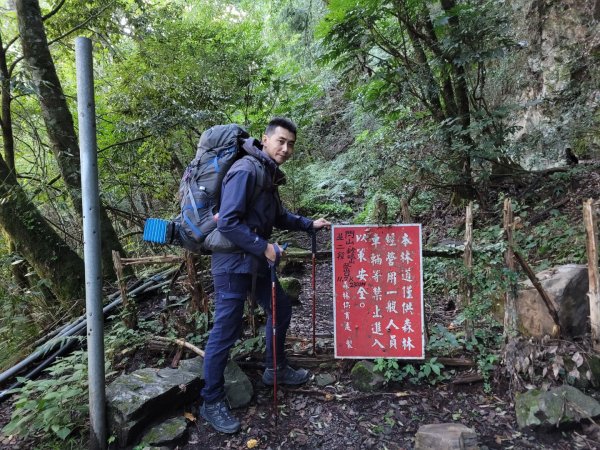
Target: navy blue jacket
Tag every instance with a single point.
(248, 224)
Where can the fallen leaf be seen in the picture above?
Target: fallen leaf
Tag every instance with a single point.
(577, 359)
(189, 416)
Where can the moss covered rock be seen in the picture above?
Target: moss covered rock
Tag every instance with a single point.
(292, 287)
(364, 377)
(561, 405)
(167, 433)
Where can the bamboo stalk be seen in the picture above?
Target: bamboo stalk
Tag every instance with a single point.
(151, 260)
(591, 227)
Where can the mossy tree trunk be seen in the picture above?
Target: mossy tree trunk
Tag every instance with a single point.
(58, 119)
(8, 144)
(49, 255)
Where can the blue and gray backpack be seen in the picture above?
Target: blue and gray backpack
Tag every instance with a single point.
(195, 228)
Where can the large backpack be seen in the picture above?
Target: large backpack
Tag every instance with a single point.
(200, 187)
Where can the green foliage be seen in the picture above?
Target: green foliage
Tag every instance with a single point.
(430, 371)
(399, 58)
(553, 242)
(249, 345)
(442, 342)
(381, 208)
(24, 315)
(57, 404)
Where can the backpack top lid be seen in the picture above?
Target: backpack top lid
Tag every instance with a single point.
(220, 136)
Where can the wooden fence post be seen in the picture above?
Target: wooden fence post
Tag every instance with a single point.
(591, 227)
(129, 307)
(510, 304)
(468, 260)
(193, 281)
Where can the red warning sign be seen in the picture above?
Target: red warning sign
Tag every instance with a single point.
(378, 291)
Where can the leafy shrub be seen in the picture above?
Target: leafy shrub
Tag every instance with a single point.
(57, 404)
(429, 371)
(382, 208)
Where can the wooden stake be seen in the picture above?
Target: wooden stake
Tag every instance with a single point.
(468, 260)
(129, 309)
(192, 280)
(406, 217)
(591, 229)
(510, 304)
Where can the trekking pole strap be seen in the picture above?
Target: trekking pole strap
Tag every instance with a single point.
(278, 251)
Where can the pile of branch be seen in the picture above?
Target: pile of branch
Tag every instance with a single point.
(62, 340)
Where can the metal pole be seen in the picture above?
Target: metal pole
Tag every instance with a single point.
(91, 241)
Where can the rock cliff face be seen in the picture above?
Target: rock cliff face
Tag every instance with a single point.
(558, 78)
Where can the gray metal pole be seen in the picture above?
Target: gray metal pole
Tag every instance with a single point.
(91, 241)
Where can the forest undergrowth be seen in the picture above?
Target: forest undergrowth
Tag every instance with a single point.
(51, 412)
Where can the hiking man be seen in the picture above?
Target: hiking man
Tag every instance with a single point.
(247, 219)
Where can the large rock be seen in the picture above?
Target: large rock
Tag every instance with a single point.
(446, 436)
(567, 287)
(561, 405)
(292, 287)
(136, 399)
(238, 388)
(167, 433)
(194, 365)
(364, 377)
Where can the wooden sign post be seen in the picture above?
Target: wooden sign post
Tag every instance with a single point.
(378, 291)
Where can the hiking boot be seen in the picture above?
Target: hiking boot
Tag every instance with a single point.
(286, 375)
(218, 416)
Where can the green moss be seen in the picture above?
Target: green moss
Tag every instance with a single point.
(166, 432)
(364, 377)
(291, 286)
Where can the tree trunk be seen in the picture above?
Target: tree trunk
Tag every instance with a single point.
(49, 255)
(18, 270)
(58, 119)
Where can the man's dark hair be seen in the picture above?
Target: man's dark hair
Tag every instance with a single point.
(280, 122)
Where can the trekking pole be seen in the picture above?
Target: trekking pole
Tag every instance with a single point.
(274, 321)
(314, 290)
(274, 334)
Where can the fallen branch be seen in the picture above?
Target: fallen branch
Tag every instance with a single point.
(168, 259)
(456, 362)
(533, 278)
(346, 397)
(180, 342)
(468, 379)
(546, 212)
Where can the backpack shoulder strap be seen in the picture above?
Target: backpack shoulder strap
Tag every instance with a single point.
(261, 177)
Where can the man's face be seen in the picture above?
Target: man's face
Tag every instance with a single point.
(279, 145)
